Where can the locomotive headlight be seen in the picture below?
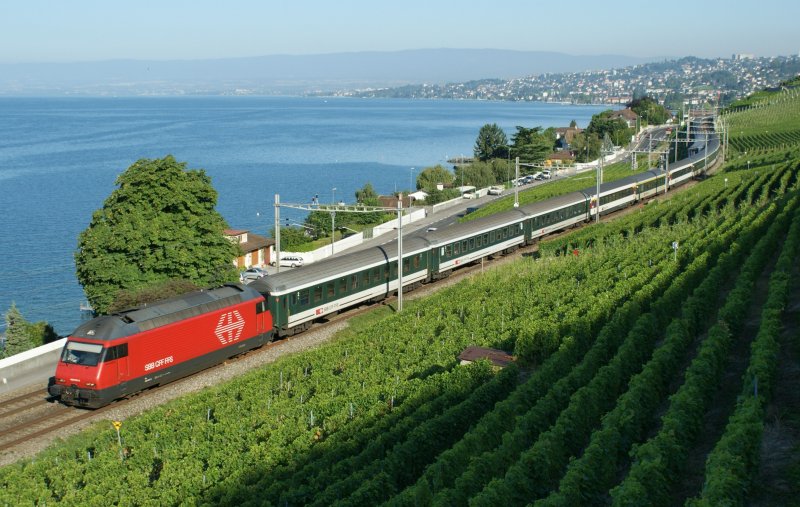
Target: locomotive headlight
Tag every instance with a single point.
(89, 384)
(61, 380)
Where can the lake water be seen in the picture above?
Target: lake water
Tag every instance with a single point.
(59, 158)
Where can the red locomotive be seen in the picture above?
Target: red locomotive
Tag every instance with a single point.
(112, 356)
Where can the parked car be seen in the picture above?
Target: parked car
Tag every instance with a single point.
(546, 174)
(250, 274)
(495, 190)
(469, 195)
(536, 176)
(290, 261)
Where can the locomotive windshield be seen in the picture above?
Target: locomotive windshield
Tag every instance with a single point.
(86, 354)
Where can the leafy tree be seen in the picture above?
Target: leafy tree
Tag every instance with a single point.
(22, 335)
(532, 144)
(502, 169)
(159, 224)
(491, 143)
(650, 110)
(432, 176)
(586, 146)
(366, 195)
(129, 299)
(616, 128)
(436, 196)
(292, 237)
(478, 175)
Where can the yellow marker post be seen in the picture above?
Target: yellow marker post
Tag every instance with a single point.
(117, 425)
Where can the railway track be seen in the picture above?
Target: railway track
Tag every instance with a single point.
(31, 415)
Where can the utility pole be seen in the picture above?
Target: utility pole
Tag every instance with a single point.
(516, 183)
(333, 218)
(597, 195)
(278, 232)
(400, 252)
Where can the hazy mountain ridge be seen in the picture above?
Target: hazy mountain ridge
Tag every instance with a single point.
(291, 74)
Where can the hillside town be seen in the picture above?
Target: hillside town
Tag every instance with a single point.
(688, 80)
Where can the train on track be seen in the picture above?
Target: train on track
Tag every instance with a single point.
(113, 356)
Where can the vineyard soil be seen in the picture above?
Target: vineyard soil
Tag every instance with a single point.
(691, 481)
(778, 480)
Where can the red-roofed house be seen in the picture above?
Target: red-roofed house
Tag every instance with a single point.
(255, 249)
(627, 115)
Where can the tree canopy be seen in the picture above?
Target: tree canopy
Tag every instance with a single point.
(478, 175)
(616, 128)
(650, 110)
(159, 224)
(22, 335)
(491, 143)
(532, 144)
(367, 195)
(432, 176)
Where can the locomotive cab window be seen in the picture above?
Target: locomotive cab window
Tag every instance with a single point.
(85, 354)
(116, 352)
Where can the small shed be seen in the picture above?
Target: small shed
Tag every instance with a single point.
(498, 358)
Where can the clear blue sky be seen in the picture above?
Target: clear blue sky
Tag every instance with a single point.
(87, 30)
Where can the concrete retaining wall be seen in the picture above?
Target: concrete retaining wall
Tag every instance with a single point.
(30, 367)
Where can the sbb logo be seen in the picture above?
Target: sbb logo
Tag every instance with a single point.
(229, 327)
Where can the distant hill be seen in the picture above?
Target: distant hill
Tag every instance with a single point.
(291, 74)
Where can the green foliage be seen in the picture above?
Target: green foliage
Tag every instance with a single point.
(168, 288)
(478, 175)
(586, 146)
(732, 464)
(532, 144)
(650, 111)
(603, 124)
(436, 196)
(367, 195)
(491, 143)
(320, 222)
(293, 237)
(430, 177)
(553, 188)
(383, 412)
(22, 335)
(159, 224)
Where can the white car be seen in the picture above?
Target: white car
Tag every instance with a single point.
(495, 190)
(546, 174)
(290, 261)
(251, 274)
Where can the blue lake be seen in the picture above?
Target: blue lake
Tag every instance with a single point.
(59, 158)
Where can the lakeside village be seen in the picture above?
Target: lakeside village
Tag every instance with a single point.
(489, 171)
